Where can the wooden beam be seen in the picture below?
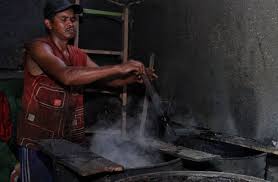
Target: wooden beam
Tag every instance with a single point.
(110, 132)
(103, 52)
(76, 38)
(125, 59)
(101, 12)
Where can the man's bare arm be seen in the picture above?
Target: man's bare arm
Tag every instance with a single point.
(43, 55)
(116, 81)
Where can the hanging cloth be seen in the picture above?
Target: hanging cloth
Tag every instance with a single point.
(5, 118)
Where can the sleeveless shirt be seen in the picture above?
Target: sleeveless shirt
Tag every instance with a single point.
(51, 110)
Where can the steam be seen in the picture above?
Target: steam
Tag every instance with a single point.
(121, 151)
(108, 143)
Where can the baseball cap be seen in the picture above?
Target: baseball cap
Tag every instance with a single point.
(55, 6)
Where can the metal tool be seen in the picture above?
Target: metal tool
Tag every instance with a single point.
(162, 116)
(146, 102)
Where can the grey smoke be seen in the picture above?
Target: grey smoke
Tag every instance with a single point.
(109, 144)
(123, 152)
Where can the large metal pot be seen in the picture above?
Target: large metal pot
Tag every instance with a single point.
(71, 163)
(190, 176)
(234, 159)
(155, 161)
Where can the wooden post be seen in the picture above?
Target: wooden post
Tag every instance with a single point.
(76, 38)
(125, 59)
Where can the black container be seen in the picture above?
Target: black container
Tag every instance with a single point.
(272, 168)
(166, 163)
(154, 160)
(171, 165)
(191, 176)
(63, 173)
(234, 159)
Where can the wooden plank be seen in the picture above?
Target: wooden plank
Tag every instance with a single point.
(92, 130)
(125, 34)
(76, 38)
(103, 52)
(101, 12)
(125, 59)
(241, 141)
(77, 158)
(178, 151)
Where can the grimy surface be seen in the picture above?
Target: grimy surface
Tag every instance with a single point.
(217, 57)
(178, 151)
(76, 158)
(243, 142)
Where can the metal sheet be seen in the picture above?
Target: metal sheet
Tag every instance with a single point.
(241, 141)
(178, 151)
(77, 158)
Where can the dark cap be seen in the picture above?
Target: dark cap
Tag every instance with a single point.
(55, 6)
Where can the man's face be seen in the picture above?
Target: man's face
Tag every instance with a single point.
(63, 24)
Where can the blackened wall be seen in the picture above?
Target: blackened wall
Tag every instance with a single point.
(100, 32)
(219, 58)
(20, 21)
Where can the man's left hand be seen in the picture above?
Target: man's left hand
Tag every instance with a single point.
(150, 73)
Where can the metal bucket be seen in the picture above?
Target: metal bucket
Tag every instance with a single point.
(191, 176)
(234, 159)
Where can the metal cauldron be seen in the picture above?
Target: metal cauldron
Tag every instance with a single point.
(234, 159)
(191, 176)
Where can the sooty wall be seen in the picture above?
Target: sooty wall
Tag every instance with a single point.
(219, 57)
(20, 21)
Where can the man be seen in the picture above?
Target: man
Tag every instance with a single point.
(52, 98)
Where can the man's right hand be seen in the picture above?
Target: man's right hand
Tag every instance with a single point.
(133, 66)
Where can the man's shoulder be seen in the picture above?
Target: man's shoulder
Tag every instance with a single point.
(39, 40)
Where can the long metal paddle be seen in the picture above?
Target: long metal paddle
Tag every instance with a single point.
(156, 101)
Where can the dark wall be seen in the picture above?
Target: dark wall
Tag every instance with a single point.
(23, 20)
(20, 21)
(217, 57)
(100, 32)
